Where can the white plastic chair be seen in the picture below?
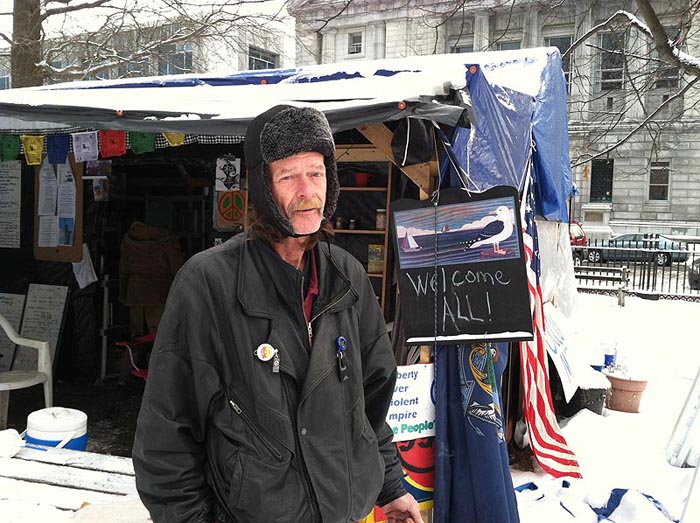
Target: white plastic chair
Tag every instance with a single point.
(20, 379)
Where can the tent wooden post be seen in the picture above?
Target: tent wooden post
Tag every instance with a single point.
(422, 174)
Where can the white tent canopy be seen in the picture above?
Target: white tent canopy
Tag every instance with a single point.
(350, 93)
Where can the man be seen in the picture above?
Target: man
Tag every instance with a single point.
(272, 372)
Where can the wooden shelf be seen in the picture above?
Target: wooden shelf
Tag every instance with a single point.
(376, 194)
(359, 231)
(364, 188)
(359, 153)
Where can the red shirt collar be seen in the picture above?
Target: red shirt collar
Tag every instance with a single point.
(313, 286)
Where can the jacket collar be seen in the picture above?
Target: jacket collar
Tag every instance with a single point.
(262, 269)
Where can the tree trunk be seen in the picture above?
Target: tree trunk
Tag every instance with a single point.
(26, 47)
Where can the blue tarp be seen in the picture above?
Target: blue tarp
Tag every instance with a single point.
(509, 123)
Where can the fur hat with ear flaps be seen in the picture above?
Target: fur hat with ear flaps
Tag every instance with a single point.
(279, 133)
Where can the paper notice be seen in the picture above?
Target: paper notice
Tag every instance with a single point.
(228, 173)
(48, 231)
(10, 204)
(64, 173)
(66, 231)
(66, 200)
(83, 270)
(47, 190)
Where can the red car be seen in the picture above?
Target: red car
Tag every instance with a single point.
(579, 243)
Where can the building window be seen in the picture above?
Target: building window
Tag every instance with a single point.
(354, 43)
(463, 48)
(658, 181)
(133, 69)
(667, 76)
(259, 59)
(5, 72)
(175, 59)
(508, 46)
(612, 60)
(562, 43)
(105, 74)
(601, 181)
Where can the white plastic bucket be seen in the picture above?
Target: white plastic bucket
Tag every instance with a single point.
(58, 427)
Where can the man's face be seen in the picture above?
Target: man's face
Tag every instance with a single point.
(299, 188)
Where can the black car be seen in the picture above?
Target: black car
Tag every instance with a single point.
(639, 247)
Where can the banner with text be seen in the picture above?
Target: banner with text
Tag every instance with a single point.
(412, 411)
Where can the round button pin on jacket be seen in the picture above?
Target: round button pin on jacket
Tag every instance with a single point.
(265, 352)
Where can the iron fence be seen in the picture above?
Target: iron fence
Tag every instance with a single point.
(657, 266)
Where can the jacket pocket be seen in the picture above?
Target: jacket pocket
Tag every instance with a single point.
(270, 493)
(260, 437)
(234, 469)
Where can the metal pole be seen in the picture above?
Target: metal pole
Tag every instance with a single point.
(691, 512)
(105, 324)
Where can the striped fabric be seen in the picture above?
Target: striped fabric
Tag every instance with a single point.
(547, 442)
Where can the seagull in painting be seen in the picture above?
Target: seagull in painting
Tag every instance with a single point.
(498, 228)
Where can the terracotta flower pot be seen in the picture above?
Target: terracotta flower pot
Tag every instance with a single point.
(625, 394)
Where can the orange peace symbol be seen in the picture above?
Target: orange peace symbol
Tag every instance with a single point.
(231, 206)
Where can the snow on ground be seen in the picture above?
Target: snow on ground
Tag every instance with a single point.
(615, 450)
(657, 339)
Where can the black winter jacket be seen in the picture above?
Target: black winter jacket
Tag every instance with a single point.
(223, 435)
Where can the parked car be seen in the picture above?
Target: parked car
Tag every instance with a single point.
(639, 247)
(693, 274)
(578, 240)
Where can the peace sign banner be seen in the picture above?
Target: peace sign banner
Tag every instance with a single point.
(229, 210)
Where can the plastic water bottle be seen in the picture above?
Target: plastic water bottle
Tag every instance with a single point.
(610, 355)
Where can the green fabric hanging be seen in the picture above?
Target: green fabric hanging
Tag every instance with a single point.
(142, 142)
(9, 147)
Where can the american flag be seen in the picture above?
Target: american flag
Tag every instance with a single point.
(547, 442)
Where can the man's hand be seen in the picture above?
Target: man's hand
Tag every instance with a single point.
(402, 510)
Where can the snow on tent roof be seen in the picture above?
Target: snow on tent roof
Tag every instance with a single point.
(350, 93)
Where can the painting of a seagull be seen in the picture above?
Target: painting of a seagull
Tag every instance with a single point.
(476, 231)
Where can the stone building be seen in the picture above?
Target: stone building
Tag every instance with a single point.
(649, 183)
(166, 46)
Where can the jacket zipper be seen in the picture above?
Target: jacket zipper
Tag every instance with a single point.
(306, 478)
(309, 329)
(313, 318)
(237, 409)
(310, 334)
(347, 291)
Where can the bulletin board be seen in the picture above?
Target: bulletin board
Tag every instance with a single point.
(72, 252)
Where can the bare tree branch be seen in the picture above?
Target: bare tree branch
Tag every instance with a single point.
(72, 8)
(672, 56)
(6, 38)
(639, 126)
(330, 19)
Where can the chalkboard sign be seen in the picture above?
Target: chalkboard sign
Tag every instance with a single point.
(462, 267)
(43, 319)
(11, 309)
